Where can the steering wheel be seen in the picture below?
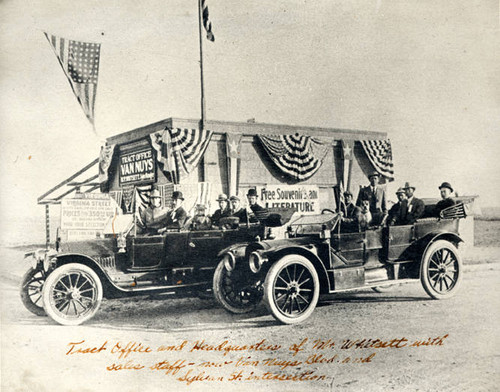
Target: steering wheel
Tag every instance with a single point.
(327, 210)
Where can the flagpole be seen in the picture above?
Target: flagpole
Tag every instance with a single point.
(200, 22)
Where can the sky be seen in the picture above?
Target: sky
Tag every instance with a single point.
(425, 72)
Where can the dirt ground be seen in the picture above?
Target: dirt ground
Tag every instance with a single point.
(461, 336)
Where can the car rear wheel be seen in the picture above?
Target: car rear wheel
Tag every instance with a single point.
(31, 291)
(441, 270)
(72, 294)
(291, 289)
(233, 292)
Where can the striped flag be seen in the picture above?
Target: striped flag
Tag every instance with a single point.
(187, 148)
(80, 63)
(379, 153)
(206, 21)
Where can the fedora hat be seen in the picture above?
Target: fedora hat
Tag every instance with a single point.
(408, 186)
(222, 197)
(400, 190)
(373, 174)
(446, 185)
(252, 192)
(177, 195)
(155, 194)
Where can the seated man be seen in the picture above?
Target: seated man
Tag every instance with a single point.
(398, 210)
(446, 200)
(414, 207)
(200, 221)
(223, 210)
(154, 216)
(376, 196)
(237, 210)
(363, 216)
(350, 208)
(177, 216)
(255, 211)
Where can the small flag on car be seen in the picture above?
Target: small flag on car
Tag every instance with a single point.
(80, 63)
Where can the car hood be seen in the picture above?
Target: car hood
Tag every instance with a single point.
(95, 248)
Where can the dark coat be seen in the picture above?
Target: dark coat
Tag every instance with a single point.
(241, 213)
(416, 211)
(377, 199)
(176, 218)
(259, 213)
(397, 213)
(443, 204)
(219, 214)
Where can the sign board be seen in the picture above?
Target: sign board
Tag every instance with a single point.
(137, 167)
(303, 198)
(86, 216)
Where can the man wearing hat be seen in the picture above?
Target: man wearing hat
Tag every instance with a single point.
(397, 213)
(223, 210)
(376, 195)
(446, 200)
(200, 221)
(153, 217)
(350, 208)
(414, 207)
(257, 212)
(177, 216)
(237, 210)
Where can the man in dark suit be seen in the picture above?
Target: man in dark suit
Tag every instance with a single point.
(397, 213)
(177, 216)
(237, 210)
(223, 211)
(376, 195)
(446, 200)
(414, 207)
(257, 212)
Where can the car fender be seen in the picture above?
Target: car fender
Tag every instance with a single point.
(310, 253)
(427, 241)
(66, 258)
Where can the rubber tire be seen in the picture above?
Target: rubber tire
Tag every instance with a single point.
(424, 266)
(52, 280)
(220, 273)
(269, 288)
(25, 297)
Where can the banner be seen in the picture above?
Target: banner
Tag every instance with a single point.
(303, 198)
(137, 167)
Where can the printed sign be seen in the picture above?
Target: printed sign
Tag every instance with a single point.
(303, 198)
(137, 167)
(86, 214)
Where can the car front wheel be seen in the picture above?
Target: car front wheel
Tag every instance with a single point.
(72, 294)
(291, 289)
(233, 292)
(31, 291)
(441, 270)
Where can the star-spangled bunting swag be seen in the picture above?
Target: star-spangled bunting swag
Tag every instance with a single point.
(80, 63)
(295, 155)
(379, 153)
(180, 150)
(206, 21)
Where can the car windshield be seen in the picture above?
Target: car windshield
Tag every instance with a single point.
(119, 224)
(310, 224)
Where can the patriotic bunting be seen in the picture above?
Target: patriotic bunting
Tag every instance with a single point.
(298, 156)
(180, 150)
(80, 63)
(379, 153)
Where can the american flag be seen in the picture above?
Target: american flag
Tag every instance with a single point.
(206, 21)
(80, 63)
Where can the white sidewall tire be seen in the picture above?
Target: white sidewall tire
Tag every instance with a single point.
(53, 279)
(269, 284)
(424, 269)
(219, 275)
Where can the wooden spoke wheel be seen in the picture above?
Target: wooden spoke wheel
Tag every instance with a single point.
(233, 291)
(31, 291)
(72, 294)
(441, 270)
(291, 289)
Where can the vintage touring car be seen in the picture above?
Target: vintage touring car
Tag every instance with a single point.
(320, 257)
(69, 282)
